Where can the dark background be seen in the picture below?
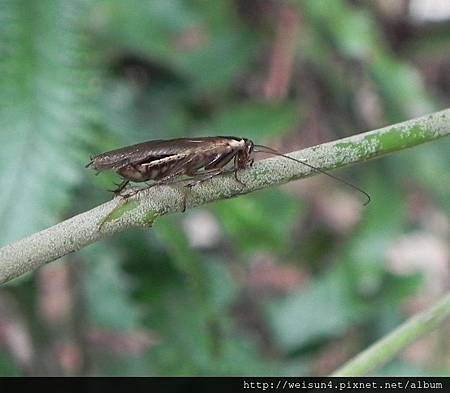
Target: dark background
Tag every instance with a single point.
(293, 280)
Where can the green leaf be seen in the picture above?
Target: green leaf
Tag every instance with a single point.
(256, 121)
(221, 51)
(108, 290)
(350, 31)
(366, 252)
(401, 88)
(323, 310)
(125, 24)
(44, 91)
(261, 221)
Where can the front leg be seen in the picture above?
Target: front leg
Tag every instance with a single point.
(196, 180)
(235, 170)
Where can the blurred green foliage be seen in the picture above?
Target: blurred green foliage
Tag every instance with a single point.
(296, 279)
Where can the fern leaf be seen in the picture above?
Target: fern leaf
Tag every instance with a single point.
(43, 106)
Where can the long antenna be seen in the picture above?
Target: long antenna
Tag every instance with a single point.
(269, 150)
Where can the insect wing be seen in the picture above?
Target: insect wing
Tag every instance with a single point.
(149, 151)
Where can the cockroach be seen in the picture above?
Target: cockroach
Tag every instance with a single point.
(197, 159)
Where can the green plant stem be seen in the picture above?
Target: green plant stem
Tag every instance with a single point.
(142, 209)
(388, 347)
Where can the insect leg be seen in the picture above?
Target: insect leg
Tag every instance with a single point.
(200, 178)
(120, 187)
(167, 180)
(190, 168)
(236, 168)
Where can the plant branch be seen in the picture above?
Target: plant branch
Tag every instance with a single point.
(389, 346)
(142, 209)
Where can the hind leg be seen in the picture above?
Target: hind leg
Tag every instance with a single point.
(198, 179)
(237, 179)
(120, 187)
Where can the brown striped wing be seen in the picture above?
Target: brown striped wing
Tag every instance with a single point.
(155, 150)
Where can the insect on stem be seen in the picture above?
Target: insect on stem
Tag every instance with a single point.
(266, 149)
(168, 161)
